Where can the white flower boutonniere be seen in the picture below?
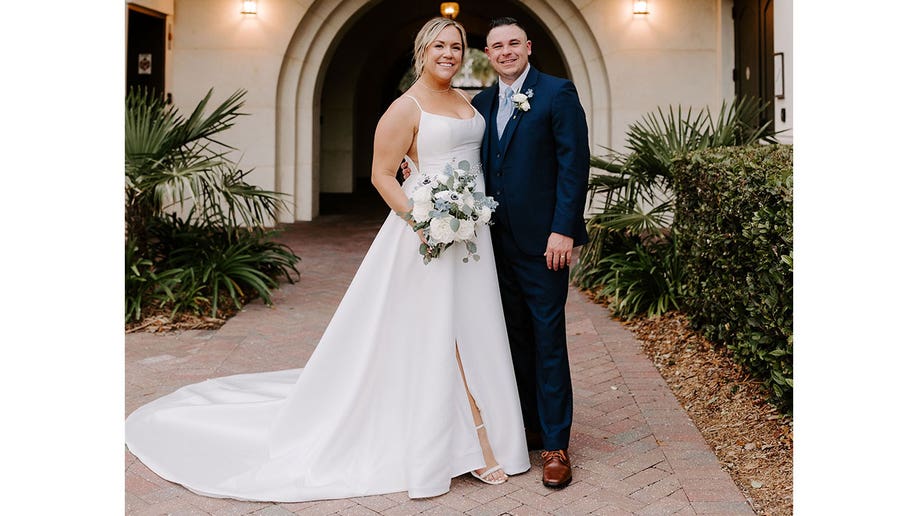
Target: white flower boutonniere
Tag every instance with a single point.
(521, 100)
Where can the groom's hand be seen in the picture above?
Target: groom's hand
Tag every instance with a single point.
(406, 170)
(559, 250)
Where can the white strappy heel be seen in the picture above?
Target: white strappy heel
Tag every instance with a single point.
(483, 476)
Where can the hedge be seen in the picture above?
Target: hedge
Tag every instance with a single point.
(734, 217)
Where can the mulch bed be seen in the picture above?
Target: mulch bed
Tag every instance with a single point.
(162, 323)
(752, 439)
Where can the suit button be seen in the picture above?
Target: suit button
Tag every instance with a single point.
(498, 192)
(498, 155)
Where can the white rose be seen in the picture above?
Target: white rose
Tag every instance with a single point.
(440, 231)
(421, 211)
(519, 97)
(422, 194)
(525, 105)
(466, 230)
(484, 215)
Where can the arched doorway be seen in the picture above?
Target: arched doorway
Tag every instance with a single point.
(345, 61)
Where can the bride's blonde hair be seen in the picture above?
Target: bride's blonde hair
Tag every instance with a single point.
(428, 34)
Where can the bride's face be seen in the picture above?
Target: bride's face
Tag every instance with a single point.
(443, 56)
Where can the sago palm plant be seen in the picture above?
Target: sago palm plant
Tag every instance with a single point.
(631, 255)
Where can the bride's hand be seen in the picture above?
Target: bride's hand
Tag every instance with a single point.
(424, 241)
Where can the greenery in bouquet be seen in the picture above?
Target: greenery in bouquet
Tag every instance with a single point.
(448, 210)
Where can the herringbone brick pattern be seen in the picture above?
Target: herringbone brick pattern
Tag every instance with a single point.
(635, 451)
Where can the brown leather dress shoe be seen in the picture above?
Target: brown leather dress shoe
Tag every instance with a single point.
(556, 469)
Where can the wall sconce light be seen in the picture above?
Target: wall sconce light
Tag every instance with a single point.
(249, 7)
(449, 10)
(640, 7)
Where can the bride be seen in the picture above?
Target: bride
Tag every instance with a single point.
(412, 382)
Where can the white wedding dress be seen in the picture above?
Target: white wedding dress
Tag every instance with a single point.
(380, 407)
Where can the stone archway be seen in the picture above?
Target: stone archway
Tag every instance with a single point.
(308, 59)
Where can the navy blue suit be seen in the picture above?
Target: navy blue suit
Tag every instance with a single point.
(538, 172)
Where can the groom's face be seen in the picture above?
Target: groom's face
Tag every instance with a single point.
(508, 50)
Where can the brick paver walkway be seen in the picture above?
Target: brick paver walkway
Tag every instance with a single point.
(635, 451)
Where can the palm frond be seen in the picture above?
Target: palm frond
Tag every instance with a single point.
(172, 160)
(738, 124)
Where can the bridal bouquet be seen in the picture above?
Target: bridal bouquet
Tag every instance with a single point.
(449, 210)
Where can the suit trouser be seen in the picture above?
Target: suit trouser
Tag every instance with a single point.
(533, 298)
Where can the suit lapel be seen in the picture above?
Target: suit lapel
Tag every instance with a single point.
(529, 83)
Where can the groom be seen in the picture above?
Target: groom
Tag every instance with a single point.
(537, 161)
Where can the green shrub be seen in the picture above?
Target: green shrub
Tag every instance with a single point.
(734, 215)
(631, 257)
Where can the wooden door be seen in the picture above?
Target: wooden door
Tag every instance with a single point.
(753, 75)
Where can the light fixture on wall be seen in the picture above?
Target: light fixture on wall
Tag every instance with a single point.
(449, 10)
(249, 7)
(640, 7)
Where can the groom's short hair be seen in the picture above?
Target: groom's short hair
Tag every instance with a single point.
(506, 20)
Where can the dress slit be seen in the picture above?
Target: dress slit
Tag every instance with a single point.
(472, 399)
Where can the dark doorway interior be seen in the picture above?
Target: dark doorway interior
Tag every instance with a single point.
(379, 42)
(146, 49)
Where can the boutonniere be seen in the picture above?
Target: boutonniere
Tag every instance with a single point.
(521, 100)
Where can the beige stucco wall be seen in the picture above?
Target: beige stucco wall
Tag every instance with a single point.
(623, 65)
(677, 54)
(162, 6)
(784, 42)
(218, 47)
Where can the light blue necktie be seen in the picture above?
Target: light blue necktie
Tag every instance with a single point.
(504, 109)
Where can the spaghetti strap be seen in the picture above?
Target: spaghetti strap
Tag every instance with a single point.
(415, 101)
(469, 102)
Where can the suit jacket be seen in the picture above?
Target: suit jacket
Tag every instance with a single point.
(538, 171)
